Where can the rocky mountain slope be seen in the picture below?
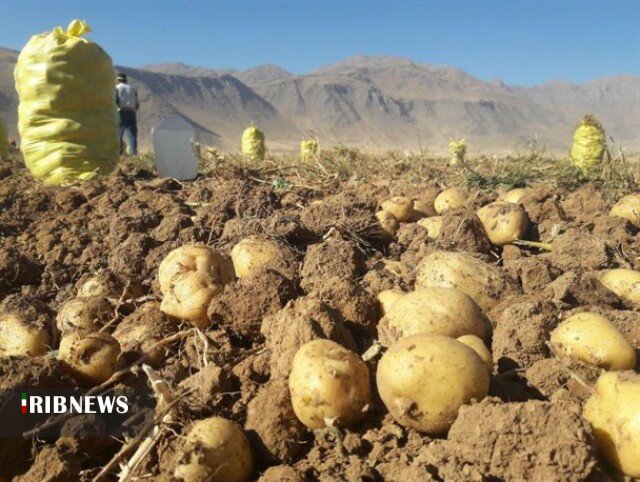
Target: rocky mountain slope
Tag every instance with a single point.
(372, 103)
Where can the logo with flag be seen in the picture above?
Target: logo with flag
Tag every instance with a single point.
(24, 402)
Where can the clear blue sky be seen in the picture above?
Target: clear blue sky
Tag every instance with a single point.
(521, 42)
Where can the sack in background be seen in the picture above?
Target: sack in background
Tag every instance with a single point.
(589, 144)
(253, 143)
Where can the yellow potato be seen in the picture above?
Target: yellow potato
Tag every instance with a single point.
(483, 282)
(217, 450)
(513, 196)
(477, 345)
(591, 338)
(400, 206)
(253, 254)
(503, 222)
(83, 314)
(387, 298)
(90, 357)
(614, 413)
(623, 282)
(628, 208)
(329, 385)
(451, 198)
(20, 337)
(424, 208)
(433, 225)
(388, 222)
(423, 381)
(437, 311)
(190, 276)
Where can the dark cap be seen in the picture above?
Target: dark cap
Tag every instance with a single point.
(122, 77)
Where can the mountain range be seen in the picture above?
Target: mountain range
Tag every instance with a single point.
(374, 103)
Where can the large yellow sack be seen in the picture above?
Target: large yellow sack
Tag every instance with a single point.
(589, 144)
(309, 148)
(67, 115)
(4, 140)
(458, 151)
(253, 143)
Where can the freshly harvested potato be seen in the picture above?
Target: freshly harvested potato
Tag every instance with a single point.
(433, 225)
(513, 196)
(190, 276)
(614, 413)
(483, 282)
(400, 206)
(424, 208)
(26, 327)
(451, 198)
(591, 338)
(387, 298)
(102, 284)
(21, 337)
(477, 345)
(423, 381)
(628, 207)
(388, 222)
(329, 385)
(141, 330)
(255, 253)
(437, 311)
(504, 222)
(623, 282)
(217, 450)
(83, 314)
(91, 358)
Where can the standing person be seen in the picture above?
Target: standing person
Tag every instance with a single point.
(128, 104)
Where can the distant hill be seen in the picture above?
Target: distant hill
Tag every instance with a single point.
(373, 103)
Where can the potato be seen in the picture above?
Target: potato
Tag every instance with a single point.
(438, 311)
(614, 413)
(591, 338)
(329, 385)
(141, 330)
(91, 358)
(21, 337)
(102, 284)
(216, 450)
(433, 225)
(623, 282)
(190, 276)
(477, 345)
(388, 222)
(513, 196)
(423, 208)
(423, 381)
(628, 208)
(254, 253)
(83, 314)
(387, 298)
(483, 282)
(503, 222)
(451, 198)
(401, 207)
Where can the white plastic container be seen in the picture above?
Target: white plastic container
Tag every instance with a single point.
(173, 148)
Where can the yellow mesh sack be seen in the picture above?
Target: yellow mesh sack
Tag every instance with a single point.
(589, 144)
(457, 150)
(308, 148)
(67, 115)
(4, 141)
(253, 143)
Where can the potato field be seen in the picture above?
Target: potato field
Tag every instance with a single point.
(342, 317)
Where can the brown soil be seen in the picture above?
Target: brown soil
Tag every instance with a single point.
(52, 240)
